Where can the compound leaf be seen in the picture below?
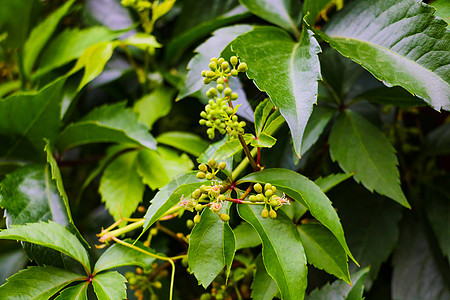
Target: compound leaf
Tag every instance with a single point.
(110, 285)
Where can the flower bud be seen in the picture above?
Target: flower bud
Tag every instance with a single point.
(242, 67)
(234, 60)
(242, 124)
(234, 96)
(272, 214)
(212, 163)
(213, 66)
(220, 88)
(206, 80)
(222, 165)
(273, 202)
(225, 217)
(268, 186)
(210, 74)
(274, 189)
(260, 197)
(220, 61)
(157, 284)
(209, 176)
(204, 73)
(234, 72)
(228, 92)
(268, 193)
(220, 80)
(201, 175)
(197, 219)
(264, 213)
(213, 91)
(214, 59)
(202, 167)
(258, 188)
(225, 65)
(197, 193)
(198, 207)
(252, 198)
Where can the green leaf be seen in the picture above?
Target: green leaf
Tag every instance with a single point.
(41, 34)
(303, 190)
(442, 10)
(295, 67)
(106, 124)
(396, 96)
(262, 112)
(320, 117)
(371, 226)
(121, 186)
(39, 283)
(209, 49)
(274, 121)
(330, 181)
(437, 141)
(282, 250)
(11, 262)
(110, 285)
(143, 41)
(342, 290)
(51, 235)
(231, 147)
(264, 140)
(211, 247)
(263, 286)
(386, 35)
(169, 196)
(314, 8)
(324, 251)
(119, 255)
(17, 25)
(77, 292)
(93, 60)
(184, 141)
(246, 236)
(283, 13)
(362, 149)
(70, 45)
(174, 163)
(154, 106)
(417, 274)
(209, 152)
(27, 118)
(151, 169)
(160, 9)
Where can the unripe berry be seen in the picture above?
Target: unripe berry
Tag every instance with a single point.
(201, 175)
(212, 163)
(220, 80)
(222, 131)
(205, 297)
(229, 111)
(204, 73)
(259, 197)
(273, 203)
(234, 60)
(220, 88)
(214, 59)
(225, 217)
(252, 198)
(209, 176)
(203, 114)
(258, 188)
(189, 224)
(228, 92)
(213, 66)
(197, 193)
(272, 214)
(225, 65)
(210, 74)
(234, 96)
(234, 118)
(206, 80)
(217, 122)
(198, 207)
(129, 275)
(209, 124)
(234, 72)
(264, 213)
(222, 165)
(242, 67)
(202, 167)
(213, 91)
(132, 281)
(242, 124)
(268, 193)
(197, 219)
(210, 131)
(274, 189)
(220, 61)
(157, 284)
(268, 186)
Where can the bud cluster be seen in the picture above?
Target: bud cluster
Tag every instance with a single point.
(217, 114)
(215, 168)
(140, 281)
(269, 198)
(138, 5)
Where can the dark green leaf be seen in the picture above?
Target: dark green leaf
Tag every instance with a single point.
(16, 25)
(174, 164)
(77, 292)
(314, 7)
(416, 273)
(209, 49)
(70, 45)
(340, 290)
(386, 35)
(263, 286)
(320, 117)
(209, 152)
(295, 67)
(41, 34)
(110, 285)
(151, 169)
(284, 13)
(246, 236)
(106, 124)
(330, 181)
(28, 118)
(282, 250)
(184, 141)
(11, 262)
(39, 283)
(437, 141)
(169, 196)
(51, 235)
(396, 96)
(307, 193)
(211, 247)
(362, 149)
(324, 251)
(119, 255)
(121, 186)
(154, 106)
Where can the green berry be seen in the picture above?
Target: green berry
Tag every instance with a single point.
(197, 193)
(234, 96)
(222, 165)
(212, 163)
(220, 88)
(213, 91)
(234, 72)
(234, 118)
(189, 224)
(157, 284)
(202, 122)
(242, 67)
(203, 167)
(229, 110)
(209, 124)
(273, 203)
(217, 122)
(209, 176)
(268, 186)
(129, 275)
(213, 66)
(205, 297)
(274, 189)
(225, 217)
(225, 65)
(206, 80)
(228, 92)
(201, 175)
(242, 124)
(220, 61)
(252, 198)
(203, 114)
(258, 188)
(197, 219)
(214, 59)
(132, 281)
(272, 214)
(234, 60)
(204, 73)
(198, 207)
(260, 197)
(210, 74)
(220, 80)
(264, 213)
(268, 193)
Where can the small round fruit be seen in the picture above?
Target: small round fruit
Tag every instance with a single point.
(252, 198)
(234, 60)
(264, 213)
(209, 176)
(268, 193)
(222, 165)
(234, 72)
(198, 207)
(234, 96)
(268, 186)
(189, 224)
(272, 214)
(258, 188)
(260, 197)
(212, 163)
(203, 167)
(225, 217)
(242, 67)
(201, 175)
(197, 219)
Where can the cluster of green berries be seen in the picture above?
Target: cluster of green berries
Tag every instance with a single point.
(206, 196)
(269, 198)
(140, 281)
(138, 5)
(218, 115)
(217, 293)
